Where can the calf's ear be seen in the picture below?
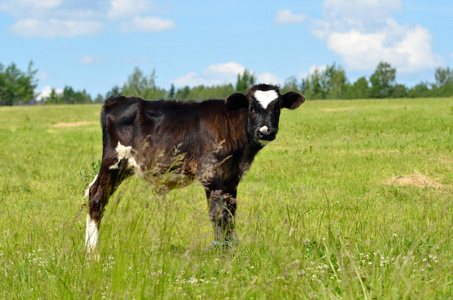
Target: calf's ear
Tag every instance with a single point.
(237, 101)
(292, 100)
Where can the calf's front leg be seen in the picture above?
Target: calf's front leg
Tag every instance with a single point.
(99, 192)
(222, 210)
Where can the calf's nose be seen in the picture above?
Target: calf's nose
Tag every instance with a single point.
(264, 130)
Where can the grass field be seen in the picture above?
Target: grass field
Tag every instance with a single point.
(353, 200)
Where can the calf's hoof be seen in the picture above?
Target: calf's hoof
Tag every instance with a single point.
(227, 243)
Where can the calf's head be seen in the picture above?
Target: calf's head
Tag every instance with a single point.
(263, 103)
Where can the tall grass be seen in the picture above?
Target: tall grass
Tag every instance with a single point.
(317, 216)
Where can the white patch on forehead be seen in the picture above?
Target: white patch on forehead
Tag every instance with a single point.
(265, 97)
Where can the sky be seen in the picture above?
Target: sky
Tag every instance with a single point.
(96, 44)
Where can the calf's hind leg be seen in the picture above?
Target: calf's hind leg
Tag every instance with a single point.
(100, 190)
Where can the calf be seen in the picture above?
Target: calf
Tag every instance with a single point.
(172, 143)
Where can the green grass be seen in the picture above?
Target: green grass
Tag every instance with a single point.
(316, 216)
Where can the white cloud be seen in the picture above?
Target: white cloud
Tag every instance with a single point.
(128, 8)
(229, 67)
(285, 17)
(57, 18)
(312, 70)
(55, 28)
(215, 74)
(18, 7)
(315, 68)
(39, 4)
(363, 33)
(46, 91)
(91, 60)
(354, 12)
(52, 18)
(269, 78)
(54, 9)
(147, 24)
(191, 79)
(222, 73)
(43, 75)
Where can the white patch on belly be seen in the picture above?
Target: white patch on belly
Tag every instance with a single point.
(265, 97)
(125, 152)
(132, 163)
(92, 235)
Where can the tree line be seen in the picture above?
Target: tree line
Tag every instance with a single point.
(332, 83)
(139, 84)
(18, 87)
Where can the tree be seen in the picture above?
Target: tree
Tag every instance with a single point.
(53, 98)
(328, 83)
(444, 82)
(399, 91)
(171, 92)
(443, 76)
(419, 90)
(138, 84)
(244, 81)
(183, 94)
(16, 86)
(68, 95)
(114, 91)
(312, 85)
(335, 82)
(202, 92)
(290, 85)
(360, 89)
(99, 99)
(383, 81)
(27, 83)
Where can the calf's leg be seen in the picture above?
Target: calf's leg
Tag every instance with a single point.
(222, 209)
(100, 190)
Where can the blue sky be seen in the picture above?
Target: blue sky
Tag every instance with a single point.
(96, 44)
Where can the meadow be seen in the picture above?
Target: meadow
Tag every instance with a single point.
(354, 199)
